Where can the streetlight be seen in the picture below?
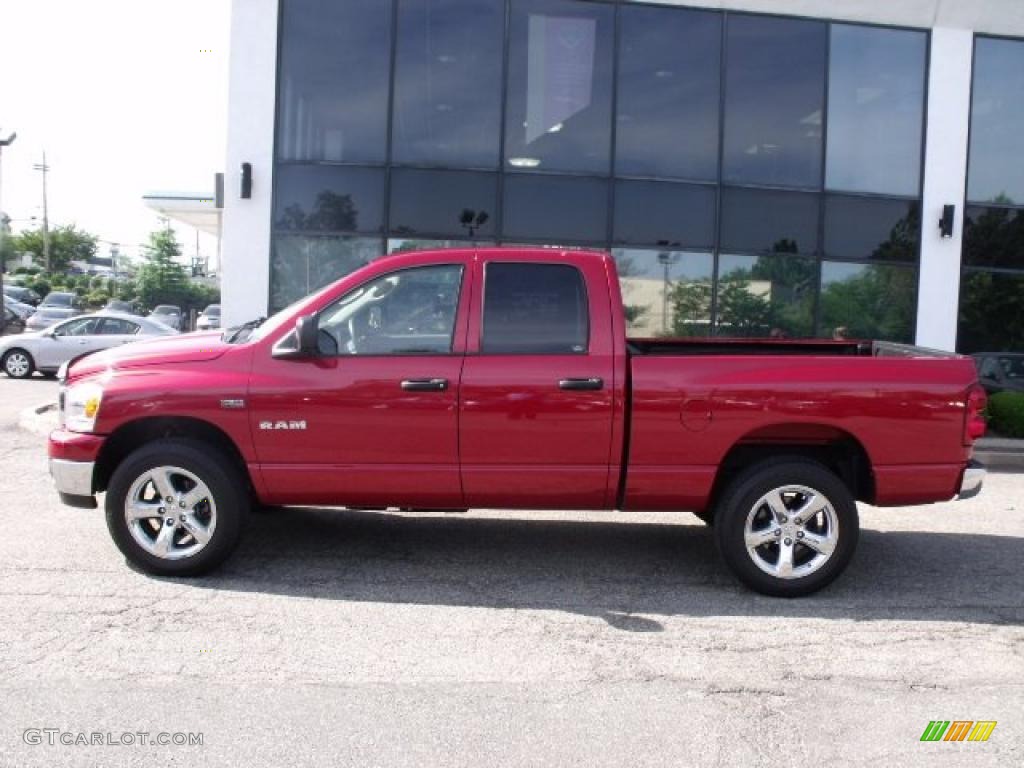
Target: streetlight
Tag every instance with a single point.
(3, 228)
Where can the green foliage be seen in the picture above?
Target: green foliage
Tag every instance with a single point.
(41, 285)
(876, 302)
(1006, 413)
(163, 279)
(67, 244)
(97, 299)
(691, 308)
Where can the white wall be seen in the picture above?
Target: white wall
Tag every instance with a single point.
(245, 270)
(945, 176)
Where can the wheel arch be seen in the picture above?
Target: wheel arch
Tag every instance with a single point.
(134, 434)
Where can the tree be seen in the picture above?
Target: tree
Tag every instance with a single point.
(163, 279)
(67, 243)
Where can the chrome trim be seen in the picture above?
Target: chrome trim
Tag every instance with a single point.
(72, 477)
(973, 478)
(232, 403)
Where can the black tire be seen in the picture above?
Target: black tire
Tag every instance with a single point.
(14, 354)
(738, 501)
(707, 517)
(227, 488)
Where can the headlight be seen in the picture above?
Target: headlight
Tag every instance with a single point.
(82, 405)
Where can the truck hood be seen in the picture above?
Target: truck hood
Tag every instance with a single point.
(163, 350)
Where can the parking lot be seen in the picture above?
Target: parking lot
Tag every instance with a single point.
(499, 638)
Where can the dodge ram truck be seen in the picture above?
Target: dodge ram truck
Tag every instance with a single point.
(504, 377)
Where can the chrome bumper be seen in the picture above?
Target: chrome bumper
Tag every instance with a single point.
(72, 478)
(970, 486)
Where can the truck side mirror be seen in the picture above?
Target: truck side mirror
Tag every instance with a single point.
(307, 330)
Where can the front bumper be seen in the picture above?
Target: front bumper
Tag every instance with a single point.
(72, 477)
(973, 478)
(72, 464)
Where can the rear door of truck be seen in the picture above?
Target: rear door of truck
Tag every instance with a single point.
(536, 397)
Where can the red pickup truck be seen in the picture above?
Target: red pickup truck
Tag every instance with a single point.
(504, 378)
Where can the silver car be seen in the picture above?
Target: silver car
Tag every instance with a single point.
(46, 350)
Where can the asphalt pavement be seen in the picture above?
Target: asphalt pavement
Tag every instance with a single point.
(500, 638)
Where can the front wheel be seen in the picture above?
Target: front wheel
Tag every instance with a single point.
(18, 364)
(787, 527)
(176, 507)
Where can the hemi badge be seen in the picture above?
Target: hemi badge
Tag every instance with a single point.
(232, 403)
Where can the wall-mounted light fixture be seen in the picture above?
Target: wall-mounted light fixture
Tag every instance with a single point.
(246, 187)
(946, 222)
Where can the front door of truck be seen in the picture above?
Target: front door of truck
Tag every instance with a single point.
(537, 386)
(373, 420)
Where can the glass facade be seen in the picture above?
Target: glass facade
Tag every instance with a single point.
(752, 175)
(992, 283)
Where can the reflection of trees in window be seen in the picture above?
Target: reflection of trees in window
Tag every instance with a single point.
(994, 237)
(991, 312)
(875, 302)
(626, 268)
(331, 212)
(301, 265)
(902, 242)
(773, 297)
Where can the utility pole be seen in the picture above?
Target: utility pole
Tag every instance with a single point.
(3, 230)
(44, 169)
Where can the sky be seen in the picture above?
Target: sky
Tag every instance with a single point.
(125, 97)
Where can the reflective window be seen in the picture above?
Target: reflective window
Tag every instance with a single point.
(777, 222)
(459, 203)
(665, 293)
(329, 198)
(401, 244)
(117, 326)
(559, 86)
(658, 212)
(333, 83)
(448, 82)
(872, 228)
(534, 309)
(996, 170)
(85, 326)
(875, 108)
(991, 312)
(774, 95)
(994, 237)
(769, 296)
(868, 301)
(668, 96)
(301, 264)
(411, 312)
(555, 209)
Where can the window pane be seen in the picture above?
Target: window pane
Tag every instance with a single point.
(766, 296)
(665, 293)
(115, 326)
(333, 87)
(443, 203)
(869, 228)
(669, 71)
(534, 309)
(555, 209)
(868, 301)
(991, 313)
(778, 222)
(329, 198)
(996, 172)
(401, 245)
(875, 108)
(411, 312)
(559, 86)
(448, 82)
(994, 237)
(775, 84)
(656, 212)
(301, 264)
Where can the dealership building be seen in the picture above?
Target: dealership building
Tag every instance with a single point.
(757, 167)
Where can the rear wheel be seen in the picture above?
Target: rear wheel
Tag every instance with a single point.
(787, 527)
(176, 507)
(18, 364)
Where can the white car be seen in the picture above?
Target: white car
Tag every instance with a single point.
(47, 350)
(209, 319)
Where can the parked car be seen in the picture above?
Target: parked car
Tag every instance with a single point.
(1000, 371)
(58, 305)
(124, 307)
(209, 318)
(13, 322)
(504, 378)
(22, 294)
(168, 314)
(47, 350)
(23, 311)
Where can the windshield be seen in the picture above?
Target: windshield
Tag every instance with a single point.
(1013, 367)
(213, 310)
(57, 300)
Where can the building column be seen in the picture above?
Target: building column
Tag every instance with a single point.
(945, 183)
(245, 260)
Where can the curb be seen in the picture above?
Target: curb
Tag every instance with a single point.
(39, 419)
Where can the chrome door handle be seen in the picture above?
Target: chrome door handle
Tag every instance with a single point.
(425, 385)
(578, 385)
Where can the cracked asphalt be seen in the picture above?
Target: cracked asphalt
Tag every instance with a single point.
(500, 638)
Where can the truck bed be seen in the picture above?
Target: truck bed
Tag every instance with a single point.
(816, 347)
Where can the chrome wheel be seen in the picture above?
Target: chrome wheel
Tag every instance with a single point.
(17, 364)
(791, 531)
(170, 513)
